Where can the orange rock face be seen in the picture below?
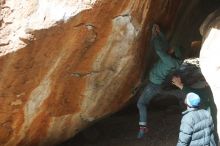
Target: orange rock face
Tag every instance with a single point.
(65, 64)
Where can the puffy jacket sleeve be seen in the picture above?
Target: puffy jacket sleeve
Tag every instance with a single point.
(186, 131)
(212, 140)
(212, 143)
(160, 45)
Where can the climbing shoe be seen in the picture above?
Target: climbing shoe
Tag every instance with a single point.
(142, 131)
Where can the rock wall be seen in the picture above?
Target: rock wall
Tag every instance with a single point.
(65, 64)
(185, 31)
(209, 56)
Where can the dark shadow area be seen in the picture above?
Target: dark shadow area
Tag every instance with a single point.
(121, 128)
(190, 16)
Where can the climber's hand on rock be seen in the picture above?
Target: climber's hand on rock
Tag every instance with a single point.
(176, 80)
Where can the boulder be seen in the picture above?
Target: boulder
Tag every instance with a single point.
(66, 64)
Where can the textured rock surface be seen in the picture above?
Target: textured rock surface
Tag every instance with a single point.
(209, 56)
(65, 64)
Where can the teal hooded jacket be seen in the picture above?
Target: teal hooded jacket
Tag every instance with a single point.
(166, 64)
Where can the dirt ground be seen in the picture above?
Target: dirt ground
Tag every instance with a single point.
(121, 128)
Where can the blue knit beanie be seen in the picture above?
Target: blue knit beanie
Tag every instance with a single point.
(192, 100)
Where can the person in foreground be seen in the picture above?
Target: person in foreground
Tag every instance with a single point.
(197, 128)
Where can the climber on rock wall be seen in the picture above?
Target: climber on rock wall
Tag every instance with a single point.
(169, 60)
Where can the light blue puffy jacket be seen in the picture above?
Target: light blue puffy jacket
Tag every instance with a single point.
(197, 129)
